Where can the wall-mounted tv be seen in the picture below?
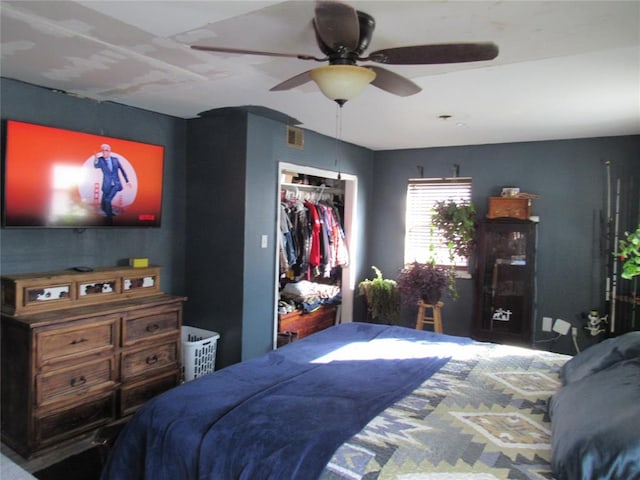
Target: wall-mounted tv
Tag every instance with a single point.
(61, 178)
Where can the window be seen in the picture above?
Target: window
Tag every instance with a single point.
(422, 241)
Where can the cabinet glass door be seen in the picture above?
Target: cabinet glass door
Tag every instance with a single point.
(506, 282)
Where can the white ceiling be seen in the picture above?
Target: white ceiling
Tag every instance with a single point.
(566, 69)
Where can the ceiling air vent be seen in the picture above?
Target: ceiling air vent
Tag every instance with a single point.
(295, 137)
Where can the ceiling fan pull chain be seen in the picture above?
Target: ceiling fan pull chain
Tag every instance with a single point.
(338, 137)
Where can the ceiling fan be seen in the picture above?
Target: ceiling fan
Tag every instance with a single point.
(343, 34)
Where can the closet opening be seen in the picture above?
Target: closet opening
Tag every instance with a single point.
(315, 283)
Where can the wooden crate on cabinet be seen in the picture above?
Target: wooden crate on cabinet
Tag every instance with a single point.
(509, 207)
(67, 372)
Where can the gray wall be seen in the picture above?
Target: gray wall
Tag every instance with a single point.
(233, 159)
(266, 147)
(215, 188)
(568, 175)
(38, 250)
(220, 177)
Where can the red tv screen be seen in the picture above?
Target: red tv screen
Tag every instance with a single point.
(61, 178)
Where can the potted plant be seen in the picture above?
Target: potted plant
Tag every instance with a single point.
(383, 297)
(629, 252)
(422, 281)
(457, 222)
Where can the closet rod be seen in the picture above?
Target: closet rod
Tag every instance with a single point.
(318, 188)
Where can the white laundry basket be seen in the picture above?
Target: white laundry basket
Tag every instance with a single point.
(198, 352)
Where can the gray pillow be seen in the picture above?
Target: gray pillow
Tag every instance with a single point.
(596, 425)
(600, 356)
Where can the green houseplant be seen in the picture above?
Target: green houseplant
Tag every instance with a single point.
(457, 223)
(422, 281)
(383, 297)
(629, 252)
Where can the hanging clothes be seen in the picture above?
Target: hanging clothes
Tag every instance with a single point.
(287, 246)
(316, 230)
(337, 239)
(312, 238)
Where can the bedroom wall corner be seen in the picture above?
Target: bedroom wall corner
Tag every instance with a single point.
(215, 228)
(569, 176)
(266, 147)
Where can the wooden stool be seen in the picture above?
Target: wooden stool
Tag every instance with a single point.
(435, 319)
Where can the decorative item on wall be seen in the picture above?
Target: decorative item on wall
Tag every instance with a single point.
(343, 34)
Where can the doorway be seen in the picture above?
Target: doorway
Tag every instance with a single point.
(349, 185)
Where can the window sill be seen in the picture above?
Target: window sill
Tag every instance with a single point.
(463, 274)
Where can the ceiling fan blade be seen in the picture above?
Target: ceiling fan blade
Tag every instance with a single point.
(393, 83)
(337, 25)
(293, 82)
(435, 54)
(239, 51)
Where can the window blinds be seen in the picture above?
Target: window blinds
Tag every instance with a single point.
(422, 241)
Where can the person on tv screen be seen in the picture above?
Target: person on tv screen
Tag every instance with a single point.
(111, 183)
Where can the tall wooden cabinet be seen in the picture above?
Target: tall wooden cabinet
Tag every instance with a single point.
(505, 281)
(73, 364)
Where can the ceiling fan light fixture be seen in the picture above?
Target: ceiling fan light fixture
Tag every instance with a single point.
(342, 82)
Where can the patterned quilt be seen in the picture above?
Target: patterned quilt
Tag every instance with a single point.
(483, 416)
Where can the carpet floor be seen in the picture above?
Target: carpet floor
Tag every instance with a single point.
(83, 466)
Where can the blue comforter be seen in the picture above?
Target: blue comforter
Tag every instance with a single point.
(279, 416)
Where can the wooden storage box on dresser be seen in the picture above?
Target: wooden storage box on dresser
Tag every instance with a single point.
(86, 359)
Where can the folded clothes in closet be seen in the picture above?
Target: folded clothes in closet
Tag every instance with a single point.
(305, 290)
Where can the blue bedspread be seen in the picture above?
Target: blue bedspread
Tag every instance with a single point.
(279, 416)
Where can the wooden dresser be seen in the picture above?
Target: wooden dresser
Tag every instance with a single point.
(67, 369)
(302, 324)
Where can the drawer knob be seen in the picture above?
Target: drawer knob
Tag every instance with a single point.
(78, 381)
(152, 360)
(152, 327)
(76, 342)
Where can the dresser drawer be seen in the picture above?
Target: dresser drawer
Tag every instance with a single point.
(151, 323)
(69, 370)
(74, 420)
(76, 340)
(303, 324)
(146, 360)
(135, 395)
(75, 382)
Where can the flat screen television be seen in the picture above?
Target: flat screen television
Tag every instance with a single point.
(62, 178)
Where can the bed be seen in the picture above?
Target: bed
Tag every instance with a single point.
(366, 401)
